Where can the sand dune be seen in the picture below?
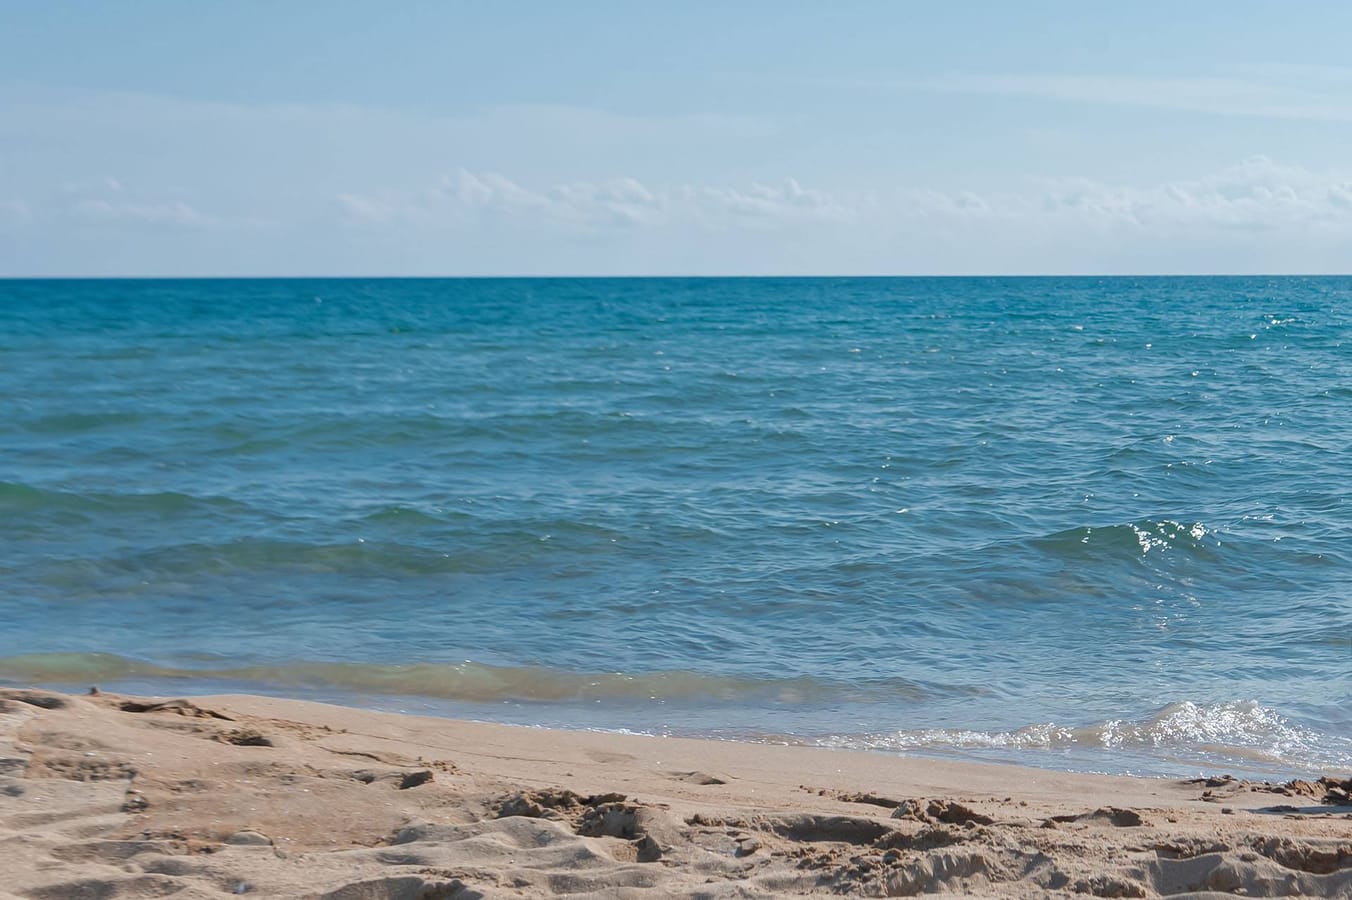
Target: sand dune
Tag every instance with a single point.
(115, 797)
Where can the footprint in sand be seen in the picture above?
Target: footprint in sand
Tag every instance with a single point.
(400, 780)
(1108, 815)
(33, 698)
(698, 777)
(607, 758)
(244, 737)
(178, 707)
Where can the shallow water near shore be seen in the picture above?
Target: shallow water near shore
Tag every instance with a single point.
(1099, 524)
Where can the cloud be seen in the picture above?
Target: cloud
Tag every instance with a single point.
(1316, 93)
(176, 213)
(105, 200)
(1256, 195)
(788, 201)
(464, 197)
(1255, 216)
(1215, 95)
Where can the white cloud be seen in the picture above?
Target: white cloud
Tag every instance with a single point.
(1256, 195)
(1318, 93)
(1230, 96)
(1315, 93)
(175, 213)
(788, 201)
(465, 197)
(106, 200)
(1255, 216)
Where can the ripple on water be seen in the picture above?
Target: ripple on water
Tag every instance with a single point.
(799, 507)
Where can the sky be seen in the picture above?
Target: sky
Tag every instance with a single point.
(156, 138)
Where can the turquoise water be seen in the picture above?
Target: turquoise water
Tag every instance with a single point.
(1097, 524)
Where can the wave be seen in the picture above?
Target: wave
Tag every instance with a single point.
(1181, 737)
(465, 681)
(69, 423)
(358, 557)
(1132, 539)
(24, 498)
(1241, 731)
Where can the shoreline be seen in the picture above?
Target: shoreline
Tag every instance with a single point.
(1182, 738)
(110, 795)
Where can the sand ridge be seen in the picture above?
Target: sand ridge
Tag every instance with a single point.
(106, 796)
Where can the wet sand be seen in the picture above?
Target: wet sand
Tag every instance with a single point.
(106, 796)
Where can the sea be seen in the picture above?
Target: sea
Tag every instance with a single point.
(1091, 524)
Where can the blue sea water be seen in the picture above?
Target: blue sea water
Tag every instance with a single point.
(1099, 524)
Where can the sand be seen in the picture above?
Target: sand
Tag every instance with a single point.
(107, 796)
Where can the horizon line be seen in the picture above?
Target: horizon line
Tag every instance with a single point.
(655, 277)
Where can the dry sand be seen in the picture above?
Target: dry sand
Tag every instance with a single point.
(114, 797)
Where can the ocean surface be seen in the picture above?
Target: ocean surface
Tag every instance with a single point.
(1092, 524)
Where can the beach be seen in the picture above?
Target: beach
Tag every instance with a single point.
(675, 587)
(106, 795)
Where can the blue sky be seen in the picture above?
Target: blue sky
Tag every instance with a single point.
(445, 138)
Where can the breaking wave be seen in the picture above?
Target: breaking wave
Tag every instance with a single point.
(1182, 735)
